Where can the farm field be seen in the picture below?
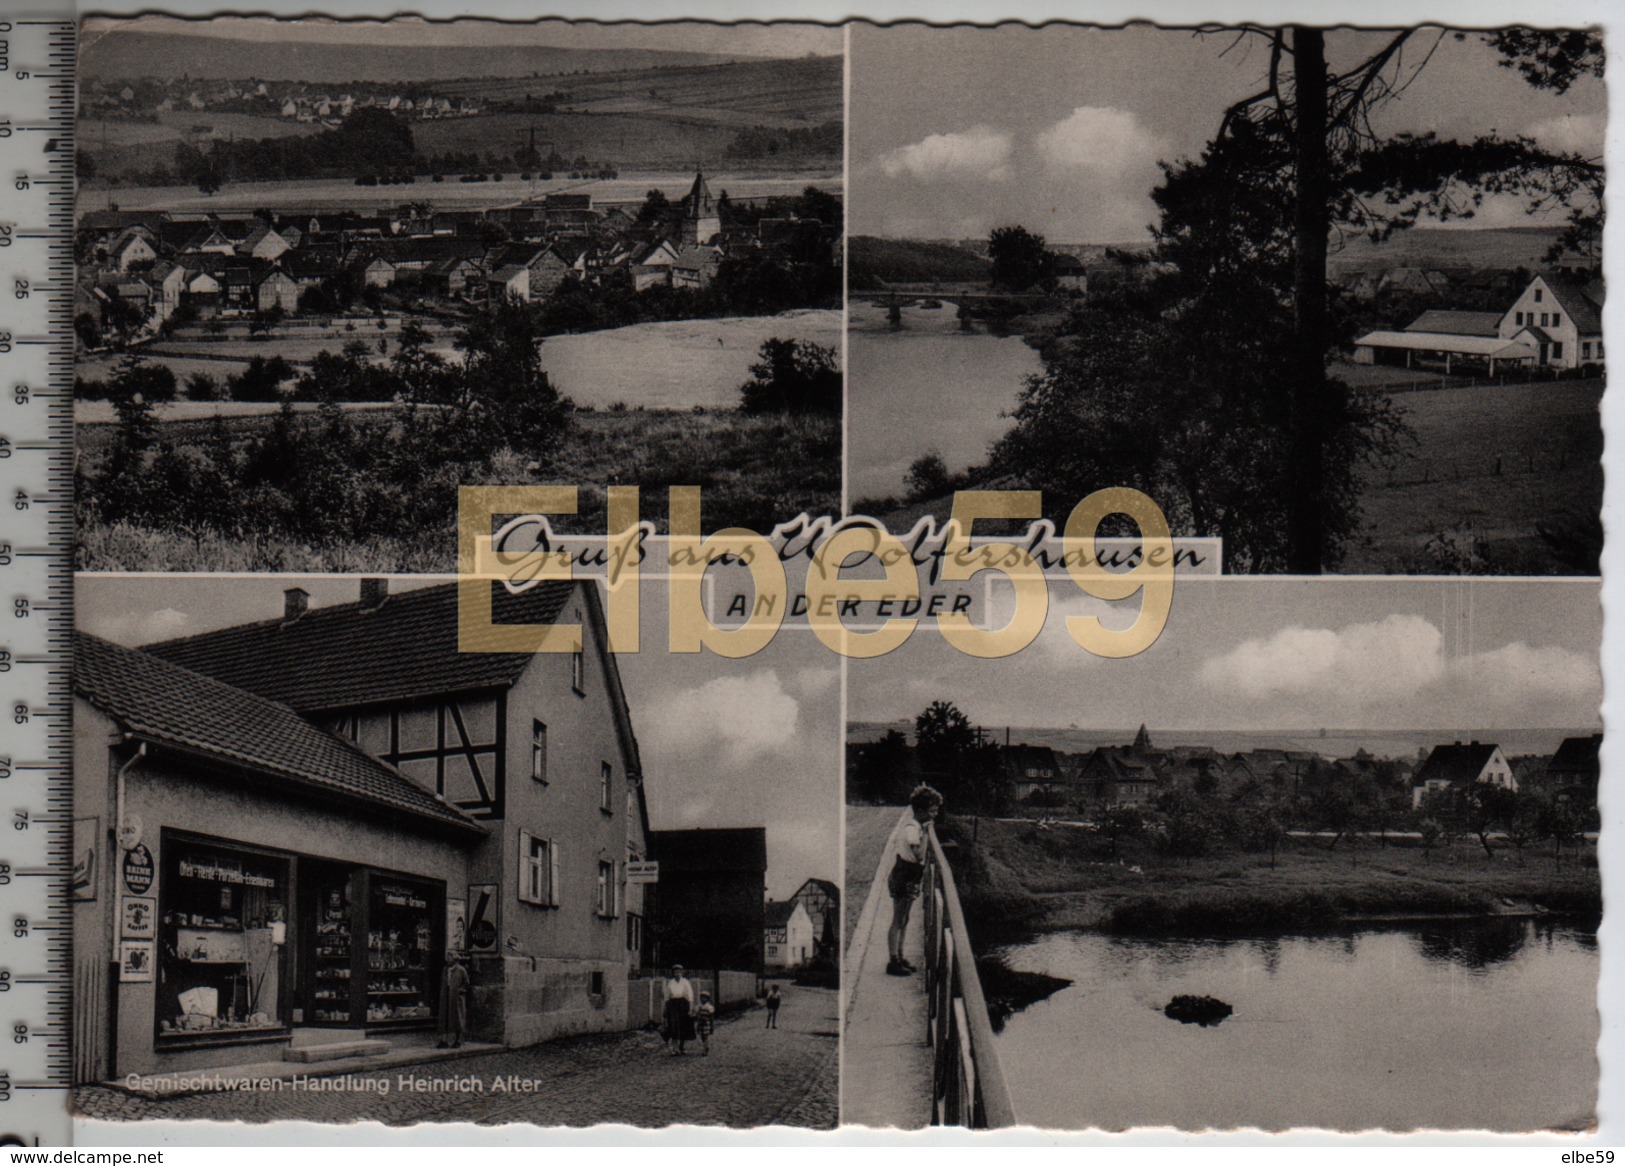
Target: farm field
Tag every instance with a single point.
(801, 91)
(103, 413)
(344, 194)
(1488, 465)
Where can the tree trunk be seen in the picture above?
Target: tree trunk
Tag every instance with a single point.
(1307, 541)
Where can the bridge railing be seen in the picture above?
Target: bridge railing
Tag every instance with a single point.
(967, 1080)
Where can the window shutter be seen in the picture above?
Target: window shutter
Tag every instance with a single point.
(525, 840)
(620, 890)
(553, 872)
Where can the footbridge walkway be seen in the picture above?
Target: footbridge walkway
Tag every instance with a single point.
(917, 1050)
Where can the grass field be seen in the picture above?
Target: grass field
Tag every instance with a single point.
(1489, 465)
(1066, 877)
(754, 471)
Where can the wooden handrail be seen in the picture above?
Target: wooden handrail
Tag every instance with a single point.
(968, 1086)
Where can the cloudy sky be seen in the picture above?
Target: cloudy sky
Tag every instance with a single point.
(1275, 654)
(958, 130)
(724, 743)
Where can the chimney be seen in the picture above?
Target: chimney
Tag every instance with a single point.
(295, 602)
(374, 590)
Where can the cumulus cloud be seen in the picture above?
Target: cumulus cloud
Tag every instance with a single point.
(1098, 138)
(741, 719)
(1395, 669)
(1397, 656)
(1571, 133)
(979, 152)
(142, 627)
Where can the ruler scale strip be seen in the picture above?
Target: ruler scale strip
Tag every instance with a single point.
(37, 976)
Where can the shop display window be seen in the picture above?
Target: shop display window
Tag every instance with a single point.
(223, 965)
(373, 948)
(400, 952)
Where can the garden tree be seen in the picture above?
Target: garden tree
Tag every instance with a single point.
(956, 759)
(1562, 825)
(1431, 833)
(793, 376)
(1333, 810)
(1259, 827)
(1527, 820)
(1186, 827)
(1320, 145)
(1489, 806)
(1116, 823)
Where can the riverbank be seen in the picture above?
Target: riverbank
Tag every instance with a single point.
(1017, 880)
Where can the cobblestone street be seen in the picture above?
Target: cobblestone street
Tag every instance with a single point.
(753, 1076)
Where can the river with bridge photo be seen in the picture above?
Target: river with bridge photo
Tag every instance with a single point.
(1462, 1024)
(926, 386)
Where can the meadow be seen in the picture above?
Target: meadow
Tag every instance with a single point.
(1489, 467)
(754, 470)
(1067, 877)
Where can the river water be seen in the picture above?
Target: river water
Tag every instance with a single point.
(929, 386)
(677, 364)
(1481, 1024)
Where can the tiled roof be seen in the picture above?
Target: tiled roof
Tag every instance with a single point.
(1456, 762)
(1578, 755)
(778, 914)
(1457, 323)
(168, 704)
(349, 655)
(1582, 301)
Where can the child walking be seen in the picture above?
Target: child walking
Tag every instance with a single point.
(705, 1019)
(773, 1002)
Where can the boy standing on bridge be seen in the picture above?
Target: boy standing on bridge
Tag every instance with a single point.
(908, 874)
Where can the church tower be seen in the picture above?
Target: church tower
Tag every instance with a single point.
(702, 222)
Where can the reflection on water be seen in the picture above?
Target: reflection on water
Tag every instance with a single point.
(1487, 1024)
(1477, 945)
(927, 387)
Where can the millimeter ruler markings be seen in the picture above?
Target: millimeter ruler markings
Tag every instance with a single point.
(37, 168)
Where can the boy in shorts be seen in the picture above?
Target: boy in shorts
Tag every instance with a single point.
(908, 874)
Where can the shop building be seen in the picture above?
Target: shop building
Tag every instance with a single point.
(282, 828)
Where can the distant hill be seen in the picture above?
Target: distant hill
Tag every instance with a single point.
(872, 261)
(1498, 249)
(120, 55)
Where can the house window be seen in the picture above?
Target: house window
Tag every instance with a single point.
(1543, 319)
(595, 983)
(538, 751)
(634, 933)
(578, 671)
(606, 782)
(538, 870)
(1537, 295)
(1557, 350)
(1517, 318)
(1557, 319)
(772, 949)
(1585, 350)
(606, 890)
